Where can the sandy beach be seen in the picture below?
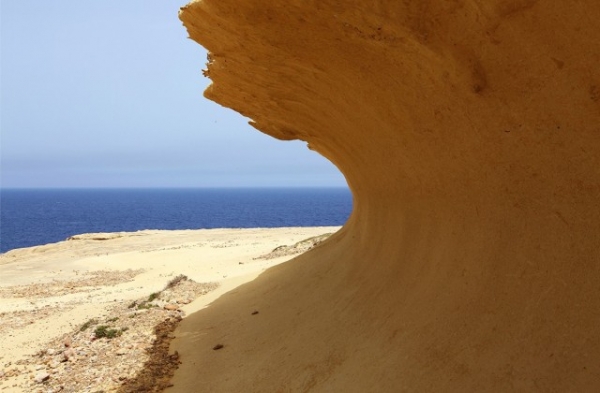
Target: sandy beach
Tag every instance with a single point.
(50, 293)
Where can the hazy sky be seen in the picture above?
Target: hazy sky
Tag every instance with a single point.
(109, 94)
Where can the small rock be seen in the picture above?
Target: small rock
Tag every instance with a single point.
(11, 372)
(69, 354)
(68, 341)
(50, 351)
(121, 351)
(171, 307)
(41, 377)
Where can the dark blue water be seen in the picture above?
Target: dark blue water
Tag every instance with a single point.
(34, 217)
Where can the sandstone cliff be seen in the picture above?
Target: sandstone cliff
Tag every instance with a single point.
(469, 134)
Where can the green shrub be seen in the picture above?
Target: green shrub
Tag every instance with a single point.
(176, 280)
(105, 331)
(86, 325)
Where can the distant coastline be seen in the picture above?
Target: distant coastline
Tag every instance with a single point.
(31, 217)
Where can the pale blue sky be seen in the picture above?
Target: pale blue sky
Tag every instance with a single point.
(109, 94)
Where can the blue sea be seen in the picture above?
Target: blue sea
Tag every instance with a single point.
(35, 217)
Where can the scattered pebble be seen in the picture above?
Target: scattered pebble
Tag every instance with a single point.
(59, 288)
(41, 377)
(79, 361)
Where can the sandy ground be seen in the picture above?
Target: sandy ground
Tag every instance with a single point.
(51, 290)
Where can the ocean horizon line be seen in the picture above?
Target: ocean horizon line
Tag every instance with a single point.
(175, 188)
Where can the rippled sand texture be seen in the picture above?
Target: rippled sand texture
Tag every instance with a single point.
(469, 133)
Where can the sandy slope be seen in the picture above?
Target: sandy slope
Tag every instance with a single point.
(469, 133)
(65, 284)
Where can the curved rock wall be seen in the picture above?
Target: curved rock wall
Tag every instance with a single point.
(469, 134)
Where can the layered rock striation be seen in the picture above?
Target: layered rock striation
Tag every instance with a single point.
(469, 134)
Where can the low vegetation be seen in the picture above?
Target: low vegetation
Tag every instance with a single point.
(104, 331)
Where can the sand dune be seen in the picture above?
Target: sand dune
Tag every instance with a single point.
(469, 133)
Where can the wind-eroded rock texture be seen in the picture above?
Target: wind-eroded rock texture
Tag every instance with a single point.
(469, 134)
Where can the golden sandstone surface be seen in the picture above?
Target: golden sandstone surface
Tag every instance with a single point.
(469, 134)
